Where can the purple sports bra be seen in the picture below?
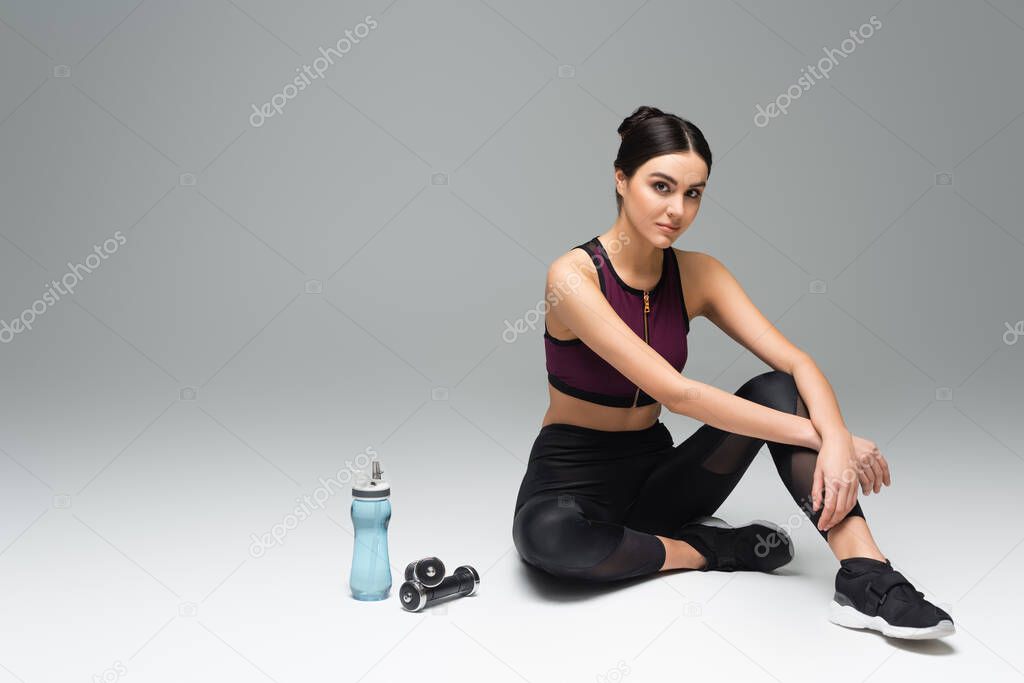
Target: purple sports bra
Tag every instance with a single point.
(657, 315)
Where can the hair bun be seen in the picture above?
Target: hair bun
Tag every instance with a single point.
(637, 117)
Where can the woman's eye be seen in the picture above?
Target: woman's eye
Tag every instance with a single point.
(659, 183)
(696, 194)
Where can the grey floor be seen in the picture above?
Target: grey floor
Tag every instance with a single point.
(268, 299)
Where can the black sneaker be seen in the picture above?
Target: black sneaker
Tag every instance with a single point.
(870, 594)
(758, 546)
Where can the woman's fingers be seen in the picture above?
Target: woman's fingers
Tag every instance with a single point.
(866, 483)
(823, 508)
(887, 477)
(867, 475)
(843, 506)
(849, 494)
(876, 468)
(838, 503)
(816, 485)
(831, 498)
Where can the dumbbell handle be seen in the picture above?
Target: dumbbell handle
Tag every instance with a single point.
(463, 581)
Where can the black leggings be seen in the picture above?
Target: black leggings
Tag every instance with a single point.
(592, 500)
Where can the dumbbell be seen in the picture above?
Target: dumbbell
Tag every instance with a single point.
(429, 571)
(414, 596)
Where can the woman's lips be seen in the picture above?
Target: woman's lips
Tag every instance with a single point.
(666, 228)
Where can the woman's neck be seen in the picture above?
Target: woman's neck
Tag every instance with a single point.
(632, 253)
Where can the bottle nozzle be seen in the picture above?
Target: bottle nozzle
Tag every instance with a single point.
(376, 470)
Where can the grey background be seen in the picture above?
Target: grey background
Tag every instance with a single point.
(196, 383)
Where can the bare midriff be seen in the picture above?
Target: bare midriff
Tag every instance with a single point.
(571, 410)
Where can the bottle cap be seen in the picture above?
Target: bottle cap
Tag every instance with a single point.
(373, 488)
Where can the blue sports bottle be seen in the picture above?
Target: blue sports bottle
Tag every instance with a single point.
(371, 513)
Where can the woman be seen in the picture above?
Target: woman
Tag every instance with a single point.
(606, 495)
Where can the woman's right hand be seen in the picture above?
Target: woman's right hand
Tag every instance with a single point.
(872, 468)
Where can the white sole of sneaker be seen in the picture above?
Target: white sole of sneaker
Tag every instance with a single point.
(711, 521)
(845, 615)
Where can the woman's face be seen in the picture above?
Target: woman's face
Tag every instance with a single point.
(663, 196)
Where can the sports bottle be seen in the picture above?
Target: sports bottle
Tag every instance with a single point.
(371, 512)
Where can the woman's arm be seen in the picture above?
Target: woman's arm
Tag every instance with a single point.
(732, 413)
(838, 466)
(820, 399)
(584, 310)
(722, 300)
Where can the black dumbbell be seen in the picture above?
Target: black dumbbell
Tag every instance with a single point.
(429, 571)
(414, 596)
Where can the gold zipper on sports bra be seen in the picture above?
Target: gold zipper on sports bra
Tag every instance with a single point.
(647, 309)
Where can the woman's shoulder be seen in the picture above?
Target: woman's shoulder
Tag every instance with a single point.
(687, 256)
(694, 267)
(576, 258)
(694, 262)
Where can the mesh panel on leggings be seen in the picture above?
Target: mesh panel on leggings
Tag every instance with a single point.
(637, 554)
(795, 464)
(732, 454)
(796, 469)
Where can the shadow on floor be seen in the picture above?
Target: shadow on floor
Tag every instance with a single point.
(559, 589)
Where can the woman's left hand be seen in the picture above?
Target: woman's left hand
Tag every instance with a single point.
(836, 472)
